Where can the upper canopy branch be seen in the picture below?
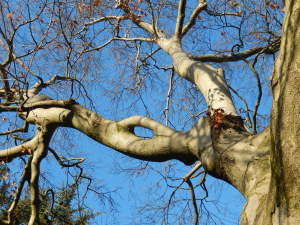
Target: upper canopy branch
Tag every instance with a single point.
(269, 49)
(202, 5)
(180, 18)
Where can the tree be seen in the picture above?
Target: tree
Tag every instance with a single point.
(261, 163)
(58, 211)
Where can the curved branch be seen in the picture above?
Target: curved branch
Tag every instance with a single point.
(10, 153)
(202, 5)
(270, 49)
(40, 153)
(165, 144)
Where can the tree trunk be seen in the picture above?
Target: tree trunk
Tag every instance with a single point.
(275, 198)
(285, 122)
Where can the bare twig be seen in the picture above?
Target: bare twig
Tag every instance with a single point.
(245, 102)
(166, 110)
(259, 95)
(61, 160)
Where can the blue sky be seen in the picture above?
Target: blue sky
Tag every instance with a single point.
(108, 86)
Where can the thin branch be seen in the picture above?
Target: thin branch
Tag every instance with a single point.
(202, 5)
(166, 110)
(21, 129)
(152, 16)
(212, 13)
(197, 166)
(99, 47)
(245, 102)
(259, 95)
(106, 18)
(61, 160)
(135, 18)
(180, 18)
(134, 39)
(194, 202)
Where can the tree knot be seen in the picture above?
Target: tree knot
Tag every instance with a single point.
(219, 120)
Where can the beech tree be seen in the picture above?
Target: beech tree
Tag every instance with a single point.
(54, 52)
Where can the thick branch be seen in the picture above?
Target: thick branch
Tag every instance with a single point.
(165, 144)
(209, 80)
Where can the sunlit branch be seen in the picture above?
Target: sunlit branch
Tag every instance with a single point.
(34, 188)
(119, 39)
(134, 39)
(26, 148)
(202, 5)
(106, 18)
(5, 108)
(48, 103)
(196, 167)
(180, 18)
(212, 13)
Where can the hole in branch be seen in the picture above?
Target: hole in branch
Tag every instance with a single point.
(143, 132)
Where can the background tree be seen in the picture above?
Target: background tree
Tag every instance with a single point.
(88, 51)
(56, 207)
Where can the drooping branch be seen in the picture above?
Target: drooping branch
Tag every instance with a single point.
(38, 155)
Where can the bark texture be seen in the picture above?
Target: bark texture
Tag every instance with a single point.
(263, 167)
(286, 119)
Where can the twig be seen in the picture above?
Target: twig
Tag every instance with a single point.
(166, 110)
(61, 159)
(259, 95)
